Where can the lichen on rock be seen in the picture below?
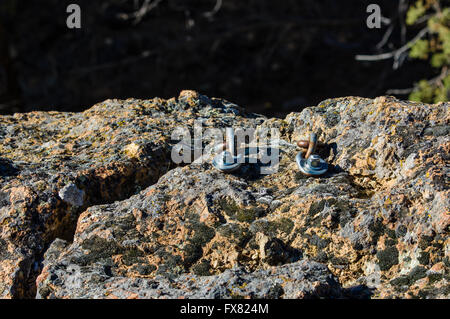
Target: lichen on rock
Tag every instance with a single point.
(377, 223)
(72, 195)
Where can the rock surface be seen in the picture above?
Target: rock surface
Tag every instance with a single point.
(303, 279)
(375, 225)
(54, 165)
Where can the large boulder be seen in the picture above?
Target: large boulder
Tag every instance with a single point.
(124, 222)
(55, 165)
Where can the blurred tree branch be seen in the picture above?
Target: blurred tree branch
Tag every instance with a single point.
(393, 54)
(435, 48)
(138, 15)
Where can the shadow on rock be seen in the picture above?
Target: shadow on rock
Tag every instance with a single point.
(7, 168)
(359, 292)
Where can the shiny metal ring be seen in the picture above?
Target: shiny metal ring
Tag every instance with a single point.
(226, 161)
(311, 164)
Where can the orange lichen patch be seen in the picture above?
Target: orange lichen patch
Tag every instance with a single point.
(20, 194)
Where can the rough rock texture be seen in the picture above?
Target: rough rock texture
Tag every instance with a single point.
(54, 165)
(376, 224)
(303, 279)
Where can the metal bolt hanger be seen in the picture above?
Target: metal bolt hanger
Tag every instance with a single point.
(311, 164)
(227, 161)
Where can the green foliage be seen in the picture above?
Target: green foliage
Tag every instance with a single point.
(438, 60)
(419, 50)
(415, 12)
(435, 48)
(442, 92)
(429, 93)
(423, 93)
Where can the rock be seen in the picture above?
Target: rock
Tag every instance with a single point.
(48, 160)
(303, 279)
(376, 225)
(72, 195)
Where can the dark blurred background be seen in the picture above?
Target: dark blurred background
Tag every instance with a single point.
(269, 56)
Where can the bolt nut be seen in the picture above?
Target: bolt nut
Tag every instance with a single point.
(314, 162)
